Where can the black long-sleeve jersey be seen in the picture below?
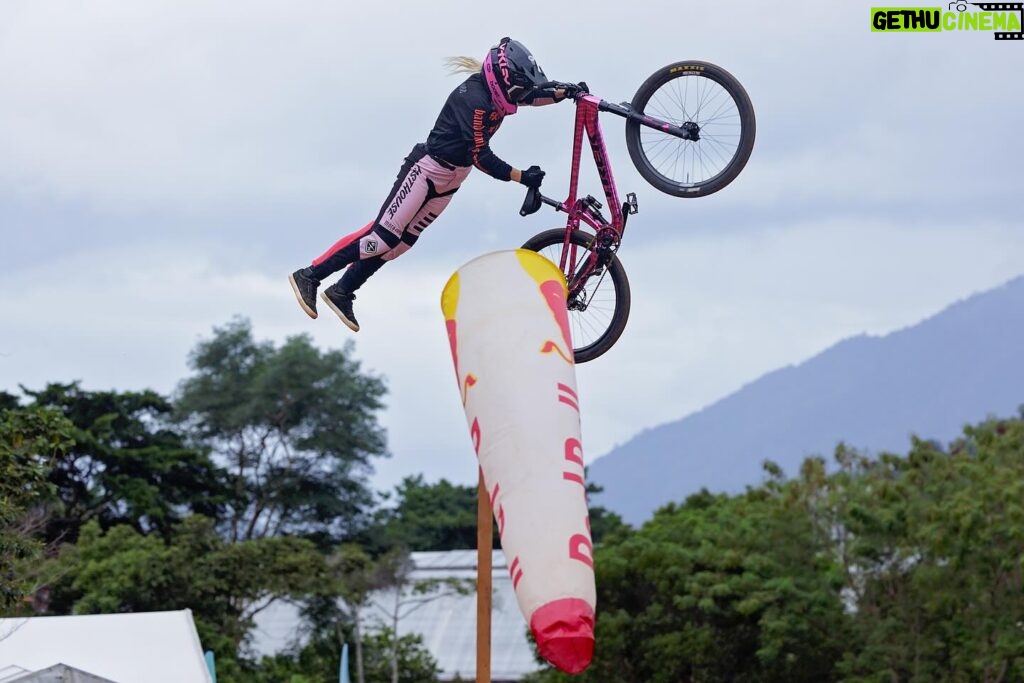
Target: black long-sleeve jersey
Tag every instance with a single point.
(463, 130)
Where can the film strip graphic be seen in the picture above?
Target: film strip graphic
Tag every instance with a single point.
(1004, 7)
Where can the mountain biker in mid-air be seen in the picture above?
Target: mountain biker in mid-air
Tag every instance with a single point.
(509, 76)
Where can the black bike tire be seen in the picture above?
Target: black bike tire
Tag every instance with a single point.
(747, 133)
(616, 271)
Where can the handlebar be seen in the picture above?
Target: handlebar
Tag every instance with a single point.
(555, 85)
(533, 202)
(625, 110)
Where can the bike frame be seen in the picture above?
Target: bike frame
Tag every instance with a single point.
(587, 108)
(580, 210)
(608, 235)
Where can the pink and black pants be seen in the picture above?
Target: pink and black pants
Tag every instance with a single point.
(422, 190)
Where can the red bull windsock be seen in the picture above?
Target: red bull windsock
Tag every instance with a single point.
(509, 333)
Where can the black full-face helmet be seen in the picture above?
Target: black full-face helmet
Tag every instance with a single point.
(511, 73)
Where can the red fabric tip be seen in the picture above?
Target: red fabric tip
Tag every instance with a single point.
(564, 631)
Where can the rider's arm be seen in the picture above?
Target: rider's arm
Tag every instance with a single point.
(480, 151)
(489, 162)
(540, 98)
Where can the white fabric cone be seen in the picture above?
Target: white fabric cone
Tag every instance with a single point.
(509, 333)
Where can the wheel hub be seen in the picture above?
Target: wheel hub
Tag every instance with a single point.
(578, 303)
(692, 129)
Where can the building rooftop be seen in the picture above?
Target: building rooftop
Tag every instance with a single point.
(446, 624)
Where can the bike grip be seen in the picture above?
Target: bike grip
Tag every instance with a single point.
(532, 202)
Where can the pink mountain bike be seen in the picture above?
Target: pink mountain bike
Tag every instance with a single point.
(689, 130)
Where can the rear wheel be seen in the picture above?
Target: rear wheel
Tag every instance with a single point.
(707, 100)
(598, 313)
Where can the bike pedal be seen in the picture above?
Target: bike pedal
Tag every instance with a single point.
(630, 206)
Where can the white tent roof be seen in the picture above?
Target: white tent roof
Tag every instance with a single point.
(145, 647)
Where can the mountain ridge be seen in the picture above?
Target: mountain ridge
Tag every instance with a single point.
(871, 392)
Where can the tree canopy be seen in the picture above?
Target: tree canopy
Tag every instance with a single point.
(127, 463)
(895, 568)
(31, 440)
(293, 428)
(250, 485)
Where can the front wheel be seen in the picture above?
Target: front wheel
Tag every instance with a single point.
(710, 103)
(598, 313)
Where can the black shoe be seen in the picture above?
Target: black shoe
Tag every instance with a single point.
(305, 285)
(340, 302)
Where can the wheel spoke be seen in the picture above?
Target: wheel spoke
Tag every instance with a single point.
(706, 102)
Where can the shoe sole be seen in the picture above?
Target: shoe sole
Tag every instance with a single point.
(354, 326)
(311, 312)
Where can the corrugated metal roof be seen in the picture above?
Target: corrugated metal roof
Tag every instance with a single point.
(446, 624)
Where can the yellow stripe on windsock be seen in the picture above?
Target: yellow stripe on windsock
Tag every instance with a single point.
(450, 297)
(540, 268)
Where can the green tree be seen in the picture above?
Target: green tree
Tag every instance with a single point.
(8, 401)
(319, 659)
(355, 586)
(897, 568)
(937, 560)
(350, 578)
(127, 463)
(30, 440)
(295, 428)
(717, 589)
(401, 660)
(224, 584)
(605, 525)
(399, 594)
(440, 516)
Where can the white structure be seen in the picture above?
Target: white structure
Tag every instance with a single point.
(55, 674)
(145, 647)
(447, 624)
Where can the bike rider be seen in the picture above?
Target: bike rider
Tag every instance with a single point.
(509, 76)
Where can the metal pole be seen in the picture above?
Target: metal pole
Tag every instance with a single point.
(484, 546)
(343, 673)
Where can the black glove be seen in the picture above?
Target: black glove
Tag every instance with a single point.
(574, 90)
(531, 177)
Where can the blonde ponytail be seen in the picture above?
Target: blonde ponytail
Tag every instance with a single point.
(464, 65)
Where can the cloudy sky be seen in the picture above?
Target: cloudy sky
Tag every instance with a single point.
(164, 164)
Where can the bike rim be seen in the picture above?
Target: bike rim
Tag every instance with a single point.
(588, 326)
(699, 99)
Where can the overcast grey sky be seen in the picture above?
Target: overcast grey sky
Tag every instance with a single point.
(165, 164)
